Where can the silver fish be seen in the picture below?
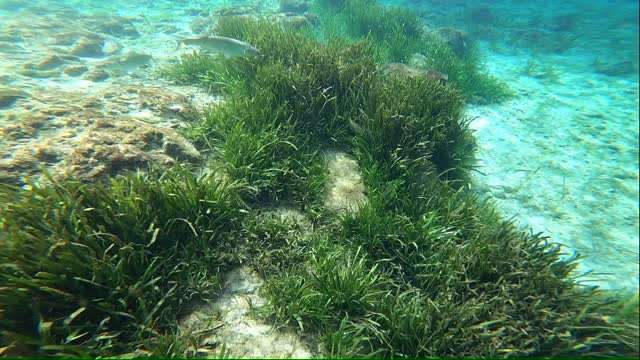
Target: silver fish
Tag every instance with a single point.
(219, 44)
(128, 62)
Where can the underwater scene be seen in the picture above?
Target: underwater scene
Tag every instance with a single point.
(319, 178)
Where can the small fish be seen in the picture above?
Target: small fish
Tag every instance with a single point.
(128, 62)
(615, 69)
(220, 44)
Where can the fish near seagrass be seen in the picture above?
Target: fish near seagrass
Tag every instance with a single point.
(219, 44)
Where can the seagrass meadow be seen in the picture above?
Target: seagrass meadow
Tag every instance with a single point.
(422, 268)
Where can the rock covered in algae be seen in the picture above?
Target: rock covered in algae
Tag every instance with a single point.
(116, 26)
(88, 47)
(75, 70)
(399, 69)
(111, 146)
(8, 96)
(96, 75)
(456, 39)
(96, 136)
(48, 63)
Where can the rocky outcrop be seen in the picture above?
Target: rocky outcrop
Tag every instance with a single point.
(111, 146)
(117, 26)
(399, 69)
(96, 136)
(456, 39)
(8, 96)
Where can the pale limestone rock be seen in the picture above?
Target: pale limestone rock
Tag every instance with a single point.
(346, 190)
(241, 333)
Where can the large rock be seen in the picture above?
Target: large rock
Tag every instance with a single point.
(119, 129)
(75, 70)
(96, 75)
(621, 68)
(111, 47)
(111, 146)
(67, 38)
(47, 63)
(456, 39)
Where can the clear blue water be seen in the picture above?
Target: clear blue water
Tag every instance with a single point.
(563, 156)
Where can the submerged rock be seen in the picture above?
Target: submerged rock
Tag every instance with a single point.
(456, 39)
(294, 6)
(399, 69)
(418, 61)
(230, 322)
(621, 68)
(9, 96)
(117, 26)
(86, 47)
(75, 70)
(111, 146)
(96, 75)
(71, 37)
(111, 47)
(93, 137)
(38, 74)
(297, 21)
(48, 63)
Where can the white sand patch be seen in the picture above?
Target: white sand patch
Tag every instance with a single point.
(479, 123)
(346, 190)
(241, 334)
(563, 158)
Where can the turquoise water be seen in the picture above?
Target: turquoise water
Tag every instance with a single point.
(562, 157)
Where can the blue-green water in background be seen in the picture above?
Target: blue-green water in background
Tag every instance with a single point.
(561, 156)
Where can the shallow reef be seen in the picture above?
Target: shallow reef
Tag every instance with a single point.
(342, 190)
(415, 266)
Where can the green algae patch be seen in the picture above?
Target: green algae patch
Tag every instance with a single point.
(393, 35)
(422, 268)
(398, 35)
(106, 269)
